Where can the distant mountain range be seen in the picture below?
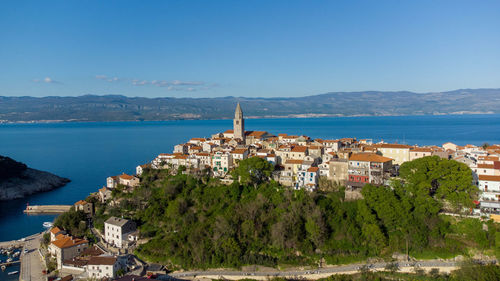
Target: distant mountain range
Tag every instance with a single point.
(369, 103)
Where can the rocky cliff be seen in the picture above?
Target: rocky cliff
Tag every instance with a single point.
(17, 180)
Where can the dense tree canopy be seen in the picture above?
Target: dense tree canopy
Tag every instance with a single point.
(73, 221)
(197, 222)
(441, 179)
(254, 170)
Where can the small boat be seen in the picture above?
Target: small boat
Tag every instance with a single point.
(47, 224)
(3, 267)
(13, 272)
(9, 260)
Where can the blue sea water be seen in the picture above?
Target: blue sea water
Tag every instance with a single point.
(87, 153)
(4, 274)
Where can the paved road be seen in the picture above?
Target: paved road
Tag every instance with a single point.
(313, 273)
(31, 262)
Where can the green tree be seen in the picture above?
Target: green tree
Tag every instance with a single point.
(253, 171)
(440, 178)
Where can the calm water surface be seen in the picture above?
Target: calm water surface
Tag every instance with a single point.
(87, 153)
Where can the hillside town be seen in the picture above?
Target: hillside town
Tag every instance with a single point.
(300, 163)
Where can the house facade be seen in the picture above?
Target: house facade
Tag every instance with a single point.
(102, 267)
(116, 231)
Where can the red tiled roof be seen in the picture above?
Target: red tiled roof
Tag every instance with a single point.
(55, 230)
(81, 202)
(488, 158)
(239, 151)
(421, 149)
(485, 166)
(257, 134)
(313, 169)
(294, 161)
(102, 261)
(392, 145)
(67, 241)
(489, 178)
(369, 157)
(299, 149)
(126, 177)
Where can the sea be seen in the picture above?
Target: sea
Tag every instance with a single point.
(87, 153)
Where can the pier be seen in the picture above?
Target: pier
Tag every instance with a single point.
(47, 209)
(10, 263)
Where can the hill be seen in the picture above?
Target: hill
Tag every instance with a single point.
(370, 103)
(17, 180)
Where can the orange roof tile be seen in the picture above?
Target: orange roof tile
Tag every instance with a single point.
(294, 161)
(489, 178)
(239, 151)
(369, 157)
(485, 166)
(392, 145)
(55, 230)
(299, 149)
(313, 169)
(67, 241)
(126, 177)
(257, 134)
(421, 149)
(81, 202)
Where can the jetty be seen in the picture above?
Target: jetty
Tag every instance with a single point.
(47, 209)
(10, 263)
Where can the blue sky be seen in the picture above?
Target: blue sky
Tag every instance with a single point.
(246, 48)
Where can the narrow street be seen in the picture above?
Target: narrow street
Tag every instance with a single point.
(31, 262)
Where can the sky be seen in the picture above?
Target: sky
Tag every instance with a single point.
(246, 48)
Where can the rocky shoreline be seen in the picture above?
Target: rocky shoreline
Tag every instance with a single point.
(30, 181)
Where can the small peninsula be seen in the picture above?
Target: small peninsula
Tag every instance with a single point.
(18, 181)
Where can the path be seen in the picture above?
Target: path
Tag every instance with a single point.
(443, 266)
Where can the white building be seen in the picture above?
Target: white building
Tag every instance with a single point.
(221, 163)
(139, 169)
(490, 193)
(124, 179)
(102, 267)
(116, 231)
(490, 187)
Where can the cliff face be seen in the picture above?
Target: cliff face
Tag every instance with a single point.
(17, 180)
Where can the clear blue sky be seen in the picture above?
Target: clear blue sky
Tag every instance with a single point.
(246, 48)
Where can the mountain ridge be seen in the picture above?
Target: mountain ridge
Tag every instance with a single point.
(91, 107)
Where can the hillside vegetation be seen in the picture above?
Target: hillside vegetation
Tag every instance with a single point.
(196, 222)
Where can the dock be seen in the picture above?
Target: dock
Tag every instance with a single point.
(10, 263)
(47, 209)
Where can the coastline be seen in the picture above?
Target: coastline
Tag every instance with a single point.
(290, 116)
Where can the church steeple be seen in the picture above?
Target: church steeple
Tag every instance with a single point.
(239, 123)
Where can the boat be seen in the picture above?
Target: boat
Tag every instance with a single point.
(13, 272)
(47, 224)
(3, 267)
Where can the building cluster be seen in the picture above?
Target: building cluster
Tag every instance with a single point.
(484, 162)
(76, 255)
(299, 160)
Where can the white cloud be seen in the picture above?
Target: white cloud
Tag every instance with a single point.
(47, 80)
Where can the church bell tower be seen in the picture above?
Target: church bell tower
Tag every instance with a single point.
(239, 124)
